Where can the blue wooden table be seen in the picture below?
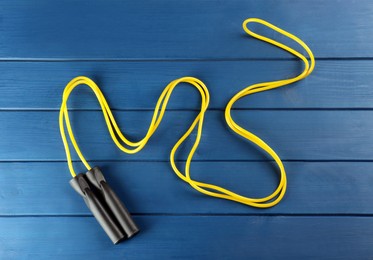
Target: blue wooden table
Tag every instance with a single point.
(321, 127)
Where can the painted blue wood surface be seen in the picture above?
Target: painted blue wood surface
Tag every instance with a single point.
(321, 127)
(328, 188)
(295, 135)
(179, 29)
(191, 237)
(137, 85)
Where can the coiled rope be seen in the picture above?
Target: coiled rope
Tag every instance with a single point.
(131, 147)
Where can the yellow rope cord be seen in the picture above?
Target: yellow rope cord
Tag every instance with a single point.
(159, 110)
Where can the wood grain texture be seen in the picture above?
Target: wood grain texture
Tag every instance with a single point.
(321, 127)
(295, 135)
(191, 237)
(314, 188)
(179, 29)
(137, 85)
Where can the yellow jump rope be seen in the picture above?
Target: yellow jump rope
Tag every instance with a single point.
(132, 147)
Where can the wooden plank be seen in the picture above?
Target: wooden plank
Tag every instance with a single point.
(137, 85)
(295, 135)
(178, 29)
(164, 237)
(152, 188)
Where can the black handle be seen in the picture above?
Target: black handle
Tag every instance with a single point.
(116, 206)
(105, 205)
